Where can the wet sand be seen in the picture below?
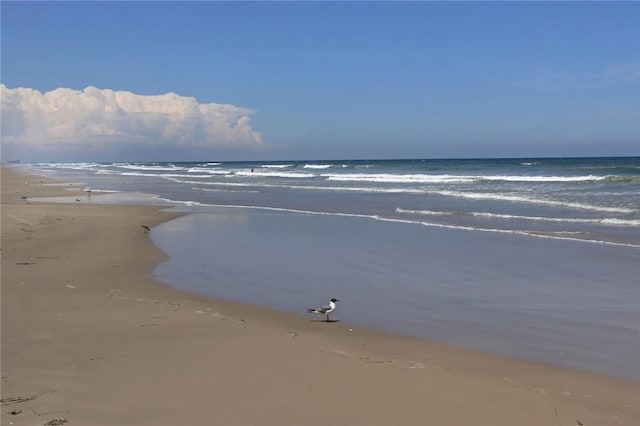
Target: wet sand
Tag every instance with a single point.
(88, 336)
(568, 303)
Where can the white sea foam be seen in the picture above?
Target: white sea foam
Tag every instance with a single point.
(138, 174)
(208, 170)
(603, 221)
(425, 212)
(518, 178)
(609, 196)
(536, 234)
(149, 167)
(621, 222)
(400, 190)
(164, 175)
(531, 200)
(397, 178)
(260, 173)
(64, 184)
(71, 166)
(223, 190)
(372, 190)
(181, 203)
(447, 178)
(317, 166)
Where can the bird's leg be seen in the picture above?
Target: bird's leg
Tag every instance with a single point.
(327, 317)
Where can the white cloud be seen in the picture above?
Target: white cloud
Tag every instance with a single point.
(74, 118)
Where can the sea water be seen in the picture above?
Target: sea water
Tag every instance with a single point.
(532, 258)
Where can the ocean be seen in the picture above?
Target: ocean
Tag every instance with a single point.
(531, 258)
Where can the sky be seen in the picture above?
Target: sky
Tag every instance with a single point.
(183, 81)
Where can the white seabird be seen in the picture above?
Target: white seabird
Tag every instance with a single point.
(324, 310)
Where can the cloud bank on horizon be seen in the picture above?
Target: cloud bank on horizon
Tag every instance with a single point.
(89, 118)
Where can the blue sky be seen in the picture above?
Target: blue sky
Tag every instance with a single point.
(323, 80)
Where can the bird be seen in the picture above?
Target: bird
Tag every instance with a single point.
(25, 196)
(146, 229)
(324, 310)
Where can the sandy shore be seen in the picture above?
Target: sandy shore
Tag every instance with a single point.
(89, 337)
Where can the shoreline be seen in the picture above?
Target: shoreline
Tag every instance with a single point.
(88, 335)
(417, 289)
(592, 214)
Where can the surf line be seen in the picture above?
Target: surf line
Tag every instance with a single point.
(413, 222)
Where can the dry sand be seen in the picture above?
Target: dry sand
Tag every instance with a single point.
(89, 337)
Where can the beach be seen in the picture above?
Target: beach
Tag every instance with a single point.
(89, 336)
(530, 258)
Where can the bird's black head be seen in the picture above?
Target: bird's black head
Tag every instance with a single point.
(334, 300)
